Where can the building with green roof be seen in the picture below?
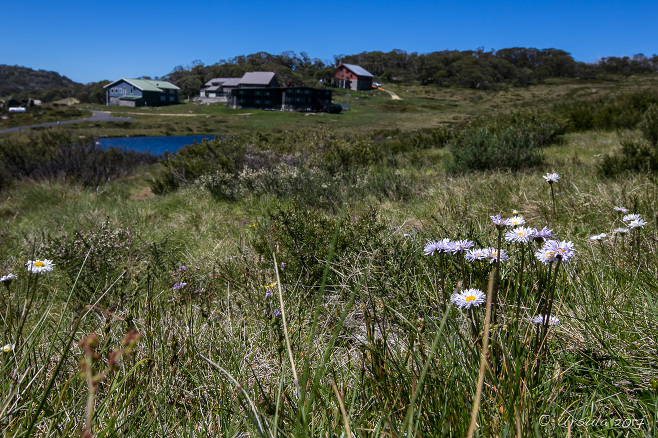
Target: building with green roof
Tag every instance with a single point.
(140, 92)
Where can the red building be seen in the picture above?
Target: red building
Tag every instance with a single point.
(357, 78)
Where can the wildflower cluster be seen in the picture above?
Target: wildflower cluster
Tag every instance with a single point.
(632, 223)
(513, 232)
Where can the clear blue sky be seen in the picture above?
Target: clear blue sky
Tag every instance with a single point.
(94, 40)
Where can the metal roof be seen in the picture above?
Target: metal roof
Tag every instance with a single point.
(257, 78)
(231, 82)
(357, 70)
(220, 80)
(146, 85)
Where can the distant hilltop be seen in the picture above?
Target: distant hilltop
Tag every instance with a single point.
(14, 80)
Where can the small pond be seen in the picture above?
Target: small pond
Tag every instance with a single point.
(154, 145)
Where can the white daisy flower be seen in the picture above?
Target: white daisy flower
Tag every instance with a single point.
(493, 255)
(460, 246)
(551, 178)
(621, 230)
(632, 217)
(599, 236)
(520, 235)
(8, 278)
(553, 249)
(39, 266)
(7, 348)
(515, 221)
(468, 298)
(552, 320)
(621, 210)
(477, 254)
(636, 223)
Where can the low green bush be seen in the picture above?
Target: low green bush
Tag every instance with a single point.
(636, 154)
(303, 236)
(623, 111)
(511, 142)
(58, 153)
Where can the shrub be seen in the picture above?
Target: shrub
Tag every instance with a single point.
(636, 154)
(303, 237)
(57, 154)
(511, 142)
(623, 111)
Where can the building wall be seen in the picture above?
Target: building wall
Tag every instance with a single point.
(121, 89)
(149, 98)
(279, 98)
(358, 82)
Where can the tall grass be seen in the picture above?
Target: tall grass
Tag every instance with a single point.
(376, 347)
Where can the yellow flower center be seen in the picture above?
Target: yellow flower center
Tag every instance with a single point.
(470, 298)
(39, 264)
(270, 285)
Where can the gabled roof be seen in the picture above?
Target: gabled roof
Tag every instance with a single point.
(231, 82)
(220, 80)
(257, 78)
(357, 70)
(146, 85)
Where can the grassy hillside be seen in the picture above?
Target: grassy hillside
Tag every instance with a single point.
(281, 285)
(15, 80)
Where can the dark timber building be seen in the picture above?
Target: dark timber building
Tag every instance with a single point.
(285, 99)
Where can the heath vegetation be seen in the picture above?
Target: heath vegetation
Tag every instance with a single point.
(494, 275)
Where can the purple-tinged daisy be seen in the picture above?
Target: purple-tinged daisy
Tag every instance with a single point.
(432, 247)
(498, 221)
(276, 312)
(182, 268)
(554, 250)
(551, 177)
(621, 210)
(551, 320)
(468, 298)
(460, 246)
(636, 223)
(543, 234)
(515, 221)
(8, 278)
(39, 266)
(493, 255)
(520, 235)
(632, 217)
(476, 254)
